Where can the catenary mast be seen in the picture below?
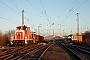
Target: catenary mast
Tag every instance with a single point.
(77, 23)
(22, 17)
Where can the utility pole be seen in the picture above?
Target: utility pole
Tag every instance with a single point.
(39, 29)
(63, 32)
(22, 17)
(36, 31)
(60, 28)
(77, 23)
(71, 31)
(53, 37)
(53, 32)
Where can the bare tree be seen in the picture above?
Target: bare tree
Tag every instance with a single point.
(87, 32)
(7, 36)
(1, 38)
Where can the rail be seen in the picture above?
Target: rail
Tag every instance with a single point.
(20, 53)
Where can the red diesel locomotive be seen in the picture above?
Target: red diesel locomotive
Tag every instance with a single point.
(24, 36)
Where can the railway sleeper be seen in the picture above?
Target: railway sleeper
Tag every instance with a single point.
(75, 55)
(3, 53)
(9, 57)
(4, 56)
(33, 52)
(15, 58)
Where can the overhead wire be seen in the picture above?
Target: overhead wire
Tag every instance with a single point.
(41, 12)
(84, 20)
(44, 10)
(15, 6)
(69, 11)
(9, 7)
(13, 9)
(18, 8)
(80, 5)
(36, 9)
(8, 20)
(39, 9)
(26, 18)
(74, 9)
(51, 24)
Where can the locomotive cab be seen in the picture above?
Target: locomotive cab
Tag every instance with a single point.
(23, 36)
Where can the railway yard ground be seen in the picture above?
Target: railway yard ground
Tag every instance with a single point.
(54, 51)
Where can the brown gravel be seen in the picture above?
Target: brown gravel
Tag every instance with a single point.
(3, 47)
(55, 53)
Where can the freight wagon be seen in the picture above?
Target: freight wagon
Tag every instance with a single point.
(37, 38)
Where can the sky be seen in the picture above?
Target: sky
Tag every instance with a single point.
(49, 15)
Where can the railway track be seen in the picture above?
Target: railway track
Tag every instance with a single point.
(27, 53)
(82, 53)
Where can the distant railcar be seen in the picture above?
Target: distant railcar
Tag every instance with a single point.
(81, 39)
(37, 38)
(77, 38)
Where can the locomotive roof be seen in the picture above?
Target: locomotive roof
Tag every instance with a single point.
(21, 26)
